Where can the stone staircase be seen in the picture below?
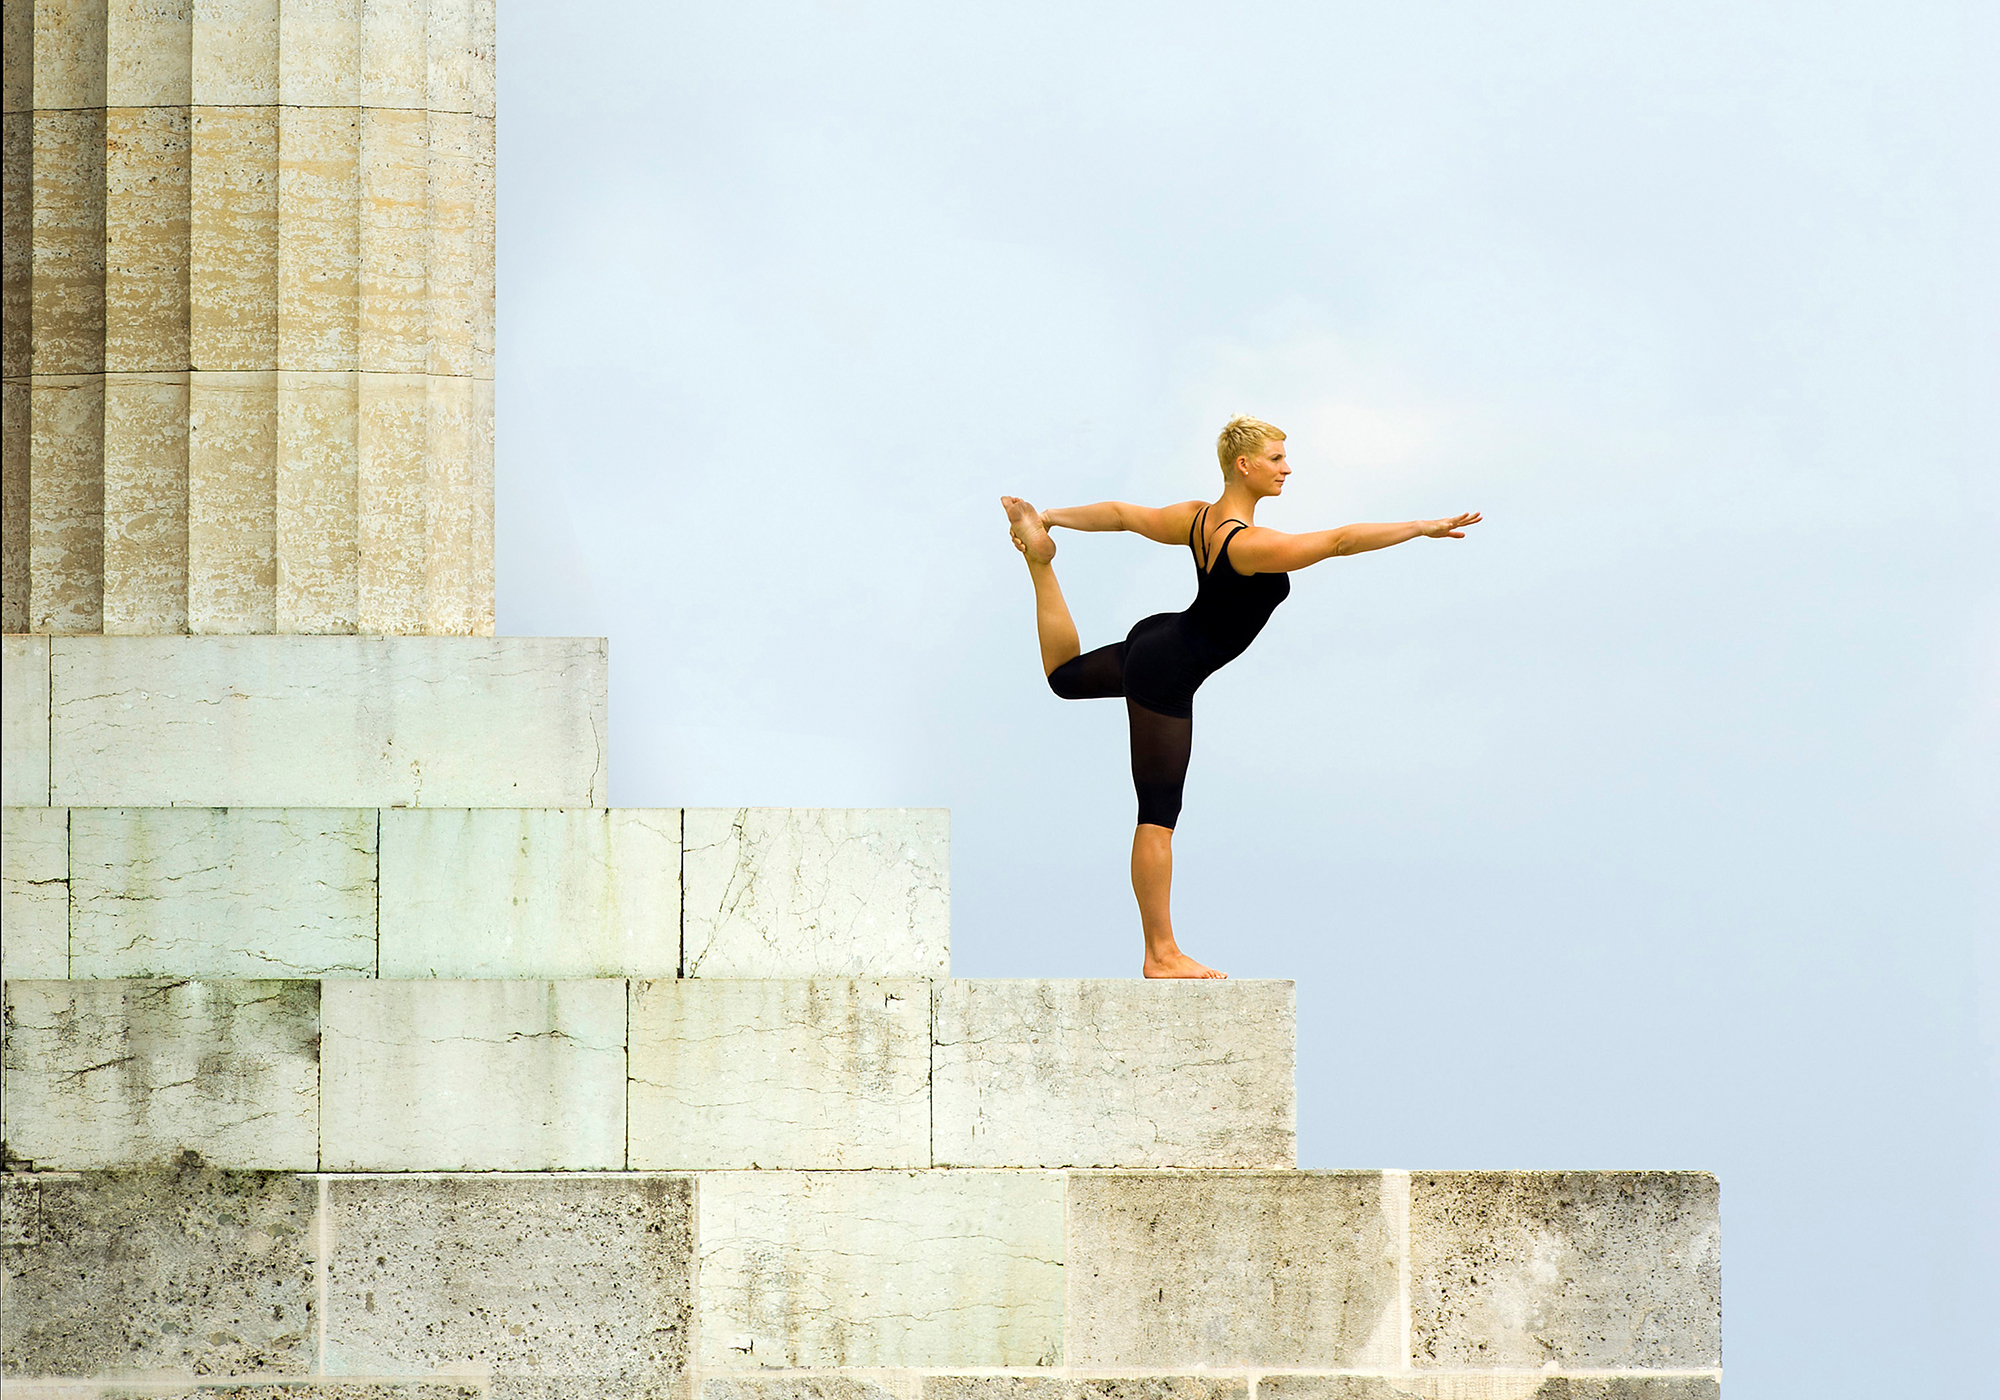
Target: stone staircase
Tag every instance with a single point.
(352, 1045)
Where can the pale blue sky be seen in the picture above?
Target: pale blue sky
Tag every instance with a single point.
(1652, 826)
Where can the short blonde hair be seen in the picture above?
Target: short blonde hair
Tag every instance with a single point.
(1244, 437)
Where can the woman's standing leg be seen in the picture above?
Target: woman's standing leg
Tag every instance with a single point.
(1161, 747)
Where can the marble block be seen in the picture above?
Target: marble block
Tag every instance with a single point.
(222, 892)
(780, 1074)
(561, 1277)
(816, 892)
(34, 892)
(272, 721)
(473, 1076)
(24, 721)
(812, 1269)
(530, 893)
(182, 1271)
(1576, 1269)
(1305, 1385)
(1235, 1269)
(117, 1074)
(1114, 1073)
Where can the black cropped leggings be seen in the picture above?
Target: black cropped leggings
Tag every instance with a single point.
(1161, 744)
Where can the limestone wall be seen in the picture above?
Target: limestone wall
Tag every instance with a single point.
(248, 316)
(783, 1285)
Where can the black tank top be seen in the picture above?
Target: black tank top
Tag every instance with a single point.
(1229, 608)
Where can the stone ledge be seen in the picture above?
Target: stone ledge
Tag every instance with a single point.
(1114, 1073)
(334, 721)
(820, 1285)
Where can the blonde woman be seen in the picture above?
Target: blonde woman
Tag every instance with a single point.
(1241, 575)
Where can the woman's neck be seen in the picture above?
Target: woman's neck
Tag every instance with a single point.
(1237, 503)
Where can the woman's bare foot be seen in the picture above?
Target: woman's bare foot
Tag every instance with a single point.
(1024, 522)
(1178, 965)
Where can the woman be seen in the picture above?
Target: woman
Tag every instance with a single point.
(1240, 577)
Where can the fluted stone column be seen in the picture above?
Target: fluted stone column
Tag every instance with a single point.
(249, 316)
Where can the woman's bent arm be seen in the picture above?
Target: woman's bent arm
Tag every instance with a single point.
(1262, 551)
(1166, 524)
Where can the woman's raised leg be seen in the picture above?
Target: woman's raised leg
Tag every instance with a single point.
(1053, 625)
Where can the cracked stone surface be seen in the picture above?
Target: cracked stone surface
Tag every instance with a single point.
(798, 1388)
(548, 1278)
(531, 893)
(121, 1073)
(34, 891)
(1115, 1073)
(24, 721)
(813, 1269)
(292, 721)
(1232, 1269)
(1583, 1269)
(773, 1074)
(816, 892)
(186, 1269)
(222, 892)
(473, 1076)
(1307, 1386)
(1091, 1388)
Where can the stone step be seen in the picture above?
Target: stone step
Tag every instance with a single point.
(688, 1074)
(312, 892)
(295, 721)
(1442, 1284)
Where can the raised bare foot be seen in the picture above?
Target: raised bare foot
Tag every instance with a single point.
(1178, 965)
(1024, 523)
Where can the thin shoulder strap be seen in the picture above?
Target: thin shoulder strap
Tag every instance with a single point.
(1197, 526)
(1241, 525)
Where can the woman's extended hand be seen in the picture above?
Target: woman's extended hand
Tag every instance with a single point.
(1452, 529)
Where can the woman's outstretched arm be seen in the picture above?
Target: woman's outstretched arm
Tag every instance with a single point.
(1260, 551)
(1166, 524)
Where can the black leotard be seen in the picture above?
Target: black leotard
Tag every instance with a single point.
(1164, 660)
(1171, 654)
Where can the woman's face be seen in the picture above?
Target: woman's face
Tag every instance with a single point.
(1265, 471)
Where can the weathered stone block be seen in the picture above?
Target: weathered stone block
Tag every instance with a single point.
(1234, 1269)
(66, 500)
(530, 893)
(813, 1269)
(232, 513)
(145, 503)
(1305, 1385)
(115, 1074)
(803, 1388)
(317, 520)
(1580, 1269)
(235, 58)
(561, 1278)
(473, 1076)
(1115, 1074)
(24, 721)
(1085, 1388)
(329, 721)
(816, 892)
(222, 892)
(34, 892)
(776, 1074)
(187, 1270)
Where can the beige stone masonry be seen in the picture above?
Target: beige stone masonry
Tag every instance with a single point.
(24, 721)
(479, 1076)
(34, 892)
(248, 341)
(312, 722)
(539, 894)
(123, 1074)
(780, 1074)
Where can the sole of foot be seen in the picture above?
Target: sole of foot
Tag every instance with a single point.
(1181, 966)
(1024, 523)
